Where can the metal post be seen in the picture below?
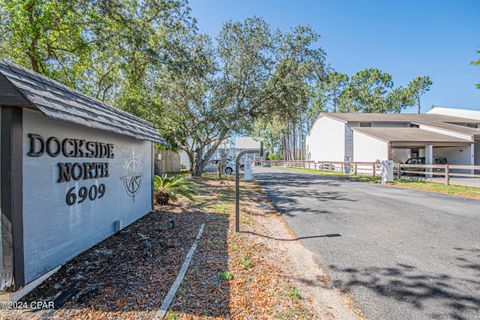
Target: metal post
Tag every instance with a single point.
(237, 183)
(237, 193)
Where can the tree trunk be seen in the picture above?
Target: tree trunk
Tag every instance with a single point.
(190, 159)
(201, 159)
(418, 102)
(198, 169)
(198, 162)
(334, 100)
(294, 149)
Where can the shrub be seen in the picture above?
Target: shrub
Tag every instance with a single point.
(170, 187)
(225, 276)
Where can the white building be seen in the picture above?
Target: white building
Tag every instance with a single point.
(450, 133)
(230, 148)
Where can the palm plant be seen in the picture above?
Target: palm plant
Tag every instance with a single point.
(170, 187)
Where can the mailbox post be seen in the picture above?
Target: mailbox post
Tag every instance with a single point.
(237, 183)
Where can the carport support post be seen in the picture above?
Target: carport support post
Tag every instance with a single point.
(428, 160)
(447, 174)
(237, 183)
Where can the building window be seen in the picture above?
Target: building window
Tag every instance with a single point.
(365, 124)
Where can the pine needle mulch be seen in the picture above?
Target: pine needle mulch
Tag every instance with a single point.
(236, 275)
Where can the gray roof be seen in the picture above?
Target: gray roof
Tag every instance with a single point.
(396, 117)
(20, 86)
(410, 135)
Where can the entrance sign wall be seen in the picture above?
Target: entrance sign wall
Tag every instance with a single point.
(74, 171)
(63, 218)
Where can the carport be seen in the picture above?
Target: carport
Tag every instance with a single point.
(400, 144)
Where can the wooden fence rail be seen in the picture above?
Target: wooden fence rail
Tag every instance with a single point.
(444, 170)
(366, 168)
(374, 168)
(167, 161)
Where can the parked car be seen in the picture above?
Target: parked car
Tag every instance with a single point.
(421, 160)
(212, 166)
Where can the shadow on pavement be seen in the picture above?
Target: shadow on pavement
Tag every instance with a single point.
(330, 235)
(408, 284)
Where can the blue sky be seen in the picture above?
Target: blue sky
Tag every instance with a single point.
(405, 38)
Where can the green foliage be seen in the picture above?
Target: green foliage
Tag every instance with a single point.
(172, 316)
(332, 86)
(274, 156)
(246, 262)
(417, 88)
(225, 276)
(50, 37)
(110, 50)
(248, 73)
(170, 187)
(294, 293)
(367, 92)
(477, 63)
(218, 208)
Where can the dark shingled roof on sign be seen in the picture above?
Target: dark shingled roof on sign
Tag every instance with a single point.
(59, 102)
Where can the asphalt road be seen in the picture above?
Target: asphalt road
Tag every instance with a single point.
(400, 254)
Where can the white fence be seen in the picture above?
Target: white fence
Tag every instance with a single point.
(366, 168)
(374, 168)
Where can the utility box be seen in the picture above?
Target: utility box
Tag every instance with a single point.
(74, 171)
(247, 173)
(387, 171)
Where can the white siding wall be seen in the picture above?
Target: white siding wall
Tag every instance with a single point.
(455, 155)
(368, 149)
(348, 142)
(400, 155)
(326, 141)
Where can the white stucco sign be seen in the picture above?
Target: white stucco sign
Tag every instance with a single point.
(77, 182)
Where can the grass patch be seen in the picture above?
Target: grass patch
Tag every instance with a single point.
(352, 177)
(294, 293)
(217, 208)
(246, 220)
(225, 276)
(247, 263)
(462, 191)
(172, 316)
